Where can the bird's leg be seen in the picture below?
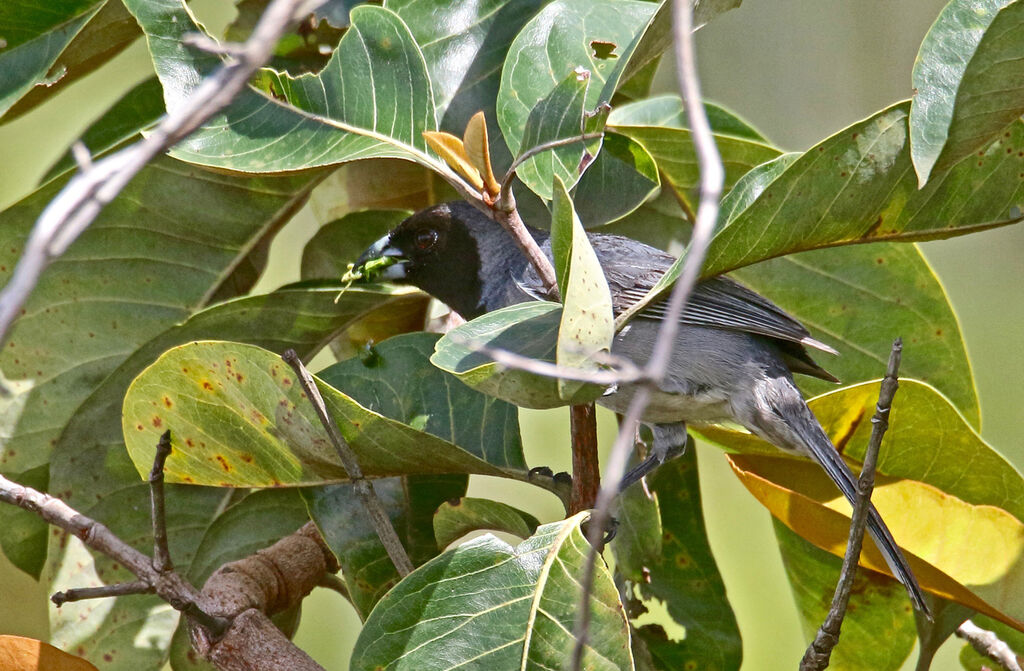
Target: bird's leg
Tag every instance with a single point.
(669, 442)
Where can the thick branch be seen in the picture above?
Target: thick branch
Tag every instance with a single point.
(363, 487)
(712, 177)
(820, 650)
(88, 192)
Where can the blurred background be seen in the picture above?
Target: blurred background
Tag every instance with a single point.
(798, 70)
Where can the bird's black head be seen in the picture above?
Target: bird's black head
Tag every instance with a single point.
(439, 250)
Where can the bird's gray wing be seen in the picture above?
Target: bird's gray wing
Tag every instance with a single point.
(632, 268)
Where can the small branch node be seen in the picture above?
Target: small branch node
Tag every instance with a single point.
(83, 159)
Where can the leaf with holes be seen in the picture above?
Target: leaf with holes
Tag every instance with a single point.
(501, 606)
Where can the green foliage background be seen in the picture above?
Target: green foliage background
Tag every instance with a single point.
(798, 70)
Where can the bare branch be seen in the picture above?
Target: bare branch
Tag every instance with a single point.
(88, 192)
(586, 472)
(986, 643)
(506, 181)
(161, 555)
(363, 487)
(712, 178)
(820, 650)
(119, 589)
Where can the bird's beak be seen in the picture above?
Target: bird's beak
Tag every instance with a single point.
(381, 249)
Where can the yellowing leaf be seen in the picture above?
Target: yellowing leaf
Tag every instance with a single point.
(18, 653)
(971, 554)
(477, 149)
(451, 149)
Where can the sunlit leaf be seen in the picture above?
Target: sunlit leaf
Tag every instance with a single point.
(373, 99)
(587, 326)
(501, 606)
(859, 186)
(960, 551)
(967, 82)
(239, 419)
(18, 653)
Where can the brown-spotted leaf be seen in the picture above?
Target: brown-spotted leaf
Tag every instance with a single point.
(239, 419)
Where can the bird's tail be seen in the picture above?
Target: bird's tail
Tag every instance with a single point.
(785, 402)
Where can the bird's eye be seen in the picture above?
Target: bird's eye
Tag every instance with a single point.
(425, 239)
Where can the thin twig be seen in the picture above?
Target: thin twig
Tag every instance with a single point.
(506, 181)
(168, 585)
(620, 370)
(363, 487)
(161, 554)
(88, 192)
(712, 177)
(119, 589)
(987, 643)
(819, 651)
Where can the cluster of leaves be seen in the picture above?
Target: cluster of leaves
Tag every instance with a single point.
(148, 319)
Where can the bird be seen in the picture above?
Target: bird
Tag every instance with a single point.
(733, 358)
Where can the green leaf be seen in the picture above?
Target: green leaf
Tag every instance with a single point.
(858, 186)
(456, 518)
(587, 326)
(25, 533)
(398, 381)
(658, 125)
(864, 296)
(877, 604)
(410, 503)
(109, 32)
(706, 10)
(137, 109)
(305, 49)
(437, 404)
(558, 116)
(464, 54)
(528, 330)
(623, 176)
(91, 469)
(501, 606)
(968, 82)
(33, 38)
(238, 419)
(373, 98)
(151, 258)
(931, 634)
(683, 574)
(565, 36)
